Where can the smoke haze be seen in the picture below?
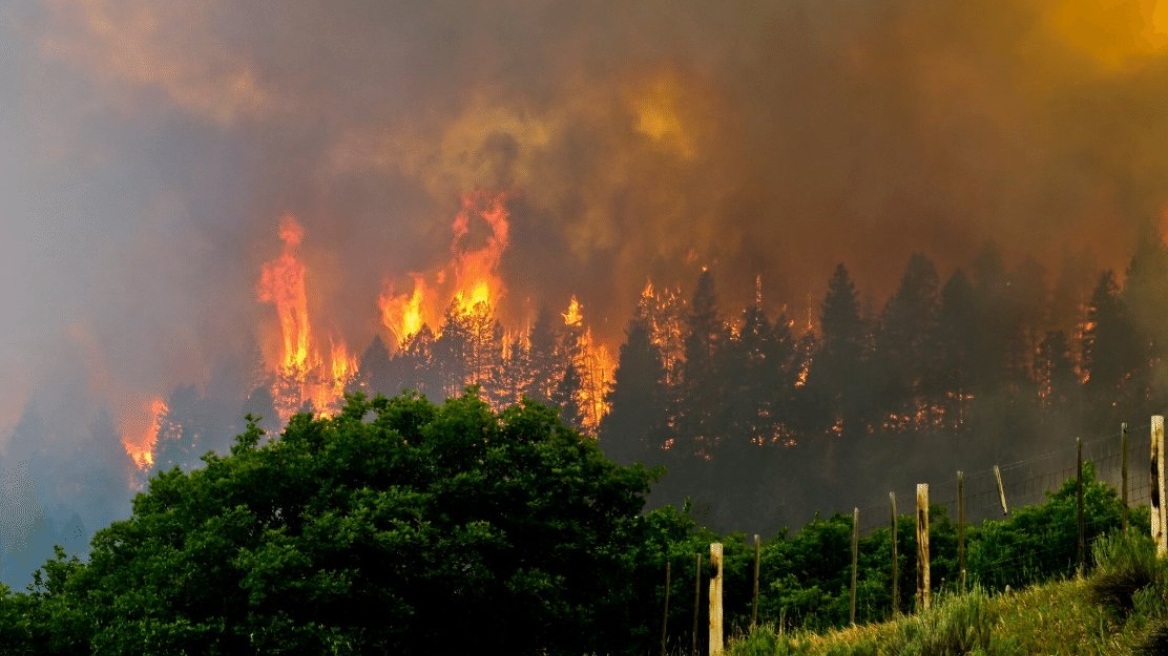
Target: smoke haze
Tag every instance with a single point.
(148, 151)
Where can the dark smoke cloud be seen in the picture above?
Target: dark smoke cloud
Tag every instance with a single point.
(150, 149)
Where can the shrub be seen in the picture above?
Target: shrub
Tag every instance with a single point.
(958, 625)
(1126, 563)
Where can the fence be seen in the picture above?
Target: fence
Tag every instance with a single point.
(1119, 459)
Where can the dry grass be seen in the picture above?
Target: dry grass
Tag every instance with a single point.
(1057, 618)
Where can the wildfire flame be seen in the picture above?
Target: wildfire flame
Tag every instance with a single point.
(301, 375)
(595, 366)
(139, 440)
(470, 281)
(575, 314)
(282, 284)
(402, 313)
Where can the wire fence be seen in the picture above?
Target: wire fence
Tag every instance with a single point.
(1021, 484)
(1030, 481)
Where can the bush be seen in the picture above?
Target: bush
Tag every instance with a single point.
(1040, 543)
(1156, 644)
(960, 624)
(1125, 564)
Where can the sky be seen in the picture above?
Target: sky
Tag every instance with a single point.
(149, 150)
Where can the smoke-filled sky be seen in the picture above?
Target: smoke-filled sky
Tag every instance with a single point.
(148, 150)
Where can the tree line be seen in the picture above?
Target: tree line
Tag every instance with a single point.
(400, 526)
(761, 419)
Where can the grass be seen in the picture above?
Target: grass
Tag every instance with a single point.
(1121, 608)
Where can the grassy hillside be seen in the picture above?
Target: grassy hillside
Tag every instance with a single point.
(1120, 608)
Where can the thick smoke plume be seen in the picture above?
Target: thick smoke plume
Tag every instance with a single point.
(151, 149)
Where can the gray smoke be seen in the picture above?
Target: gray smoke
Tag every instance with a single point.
(149, 150)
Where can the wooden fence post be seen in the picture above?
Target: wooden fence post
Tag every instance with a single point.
(665, 617)
(1081, 518)
(693, 648)
(855, 561)
(1123, 470)
(757, 565)
(1001, 491)
(895, 561)
(716, 599)
(923, 583)
(961, 530)
(1157, 482)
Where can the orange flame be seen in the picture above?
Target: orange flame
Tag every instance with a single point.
(139, 440)
(282, 284)
(403, 314)
(470, 281)
(301, 375)
(575, 314)
(476, 271)
(595, 366)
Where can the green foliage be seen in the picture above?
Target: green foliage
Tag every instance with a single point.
(765, 641)
(1125, 564)
(961, 624)
(1040, 542)
(397, 527)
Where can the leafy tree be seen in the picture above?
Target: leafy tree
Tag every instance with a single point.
(396, 526)
(1040, 542)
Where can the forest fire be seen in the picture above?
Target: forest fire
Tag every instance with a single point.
(469, 283)
(301, 377)
(592, 363)
(450, 312)
(282, 284)
(139, 441)
(209, 220)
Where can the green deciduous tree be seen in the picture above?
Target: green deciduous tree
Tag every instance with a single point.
(397, 526)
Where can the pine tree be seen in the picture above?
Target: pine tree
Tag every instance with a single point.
(838, 372)
(635, 429)
(1145, 288)
(416, 366)
(375, 371)
(904, 352)
(1023, 309)
(1055, 372)
(702, 404)
(1111, 351)
(751, 372)
(544, 361)
(179, 442)
(452, 351)
(566, 398)
(950, 383)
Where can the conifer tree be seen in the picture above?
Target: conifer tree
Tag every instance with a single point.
(904, 352)
(837, 376)
(702, 403)
(635, 429)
